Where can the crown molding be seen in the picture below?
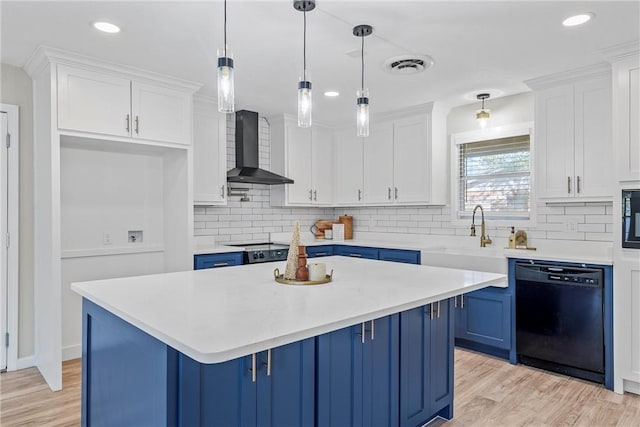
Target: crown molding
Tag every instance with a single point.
(622, 51)
(45, 55)
(601, 69)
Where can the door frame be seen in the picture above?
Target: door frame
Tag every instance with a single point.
(13, 212)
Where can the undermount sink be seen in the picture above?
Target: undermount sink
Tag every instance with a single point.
(491, 260)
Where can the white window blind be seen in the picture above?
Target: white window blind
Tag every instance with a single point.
(496, 174)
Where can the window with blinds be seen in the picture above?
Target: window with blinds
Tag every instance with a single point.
(496, 174)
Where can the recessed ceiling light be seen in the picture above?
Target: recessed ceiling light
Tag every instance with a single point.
(106, 27)
(331, 93)
(580, 19)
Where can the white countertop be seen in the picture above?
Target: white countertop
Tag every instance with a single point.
(220, 314)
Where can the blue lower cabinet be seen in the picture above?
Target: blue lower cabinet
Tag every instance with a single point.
(319, 251)
(216, 260)
(484, 317)
(358, 376)
(399, 255)
(225, 394)
(426, 364)
(356, 251)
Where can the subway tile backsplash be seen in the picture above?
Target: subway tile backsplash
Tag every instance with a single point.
(244, 222)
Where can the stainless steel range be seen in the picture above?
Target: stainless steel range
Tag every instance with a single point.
(263, 252)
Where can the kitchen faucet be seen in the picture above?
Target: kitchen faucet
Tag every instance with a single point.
(484, 240)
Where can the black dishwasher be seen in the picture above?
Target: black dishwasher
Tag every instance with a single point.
(560, 319)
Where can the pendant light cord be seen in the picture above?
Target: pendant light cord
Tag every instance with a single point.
(362, 58)
(225, 29)
(304, 47)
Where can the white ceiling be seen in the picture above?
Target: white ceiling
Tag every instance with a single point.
(476, 45)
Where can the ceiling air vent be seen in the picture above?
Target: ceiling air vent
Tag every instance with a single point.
(408, 64)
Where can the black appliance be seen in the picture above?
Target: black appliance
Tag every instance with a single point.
(263, 252)
(247, 169)
(560, 319)
(631, 219)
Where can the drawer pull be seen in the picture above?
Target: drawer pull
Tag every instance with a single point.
(356, 255)
(321, 254)
(220, 264)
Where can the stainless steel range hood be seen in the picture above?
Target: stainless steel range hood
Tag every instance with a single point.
(247, 169)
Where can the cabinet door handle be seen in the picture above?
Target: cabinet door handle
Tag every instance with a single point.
(569, 185)
(363, 332)
(269, 362)
(359, 194)
(128, 119)
(389, 194)
(455, 301)
(311, 195)
(372, 330)
(578, 184)
(220, 264)
(396, 193)
(137, 125)
(461, 301)
(356, 255)
(253, 368)
(431, 311)
(438, 309)
(315, 195)
(222, 191)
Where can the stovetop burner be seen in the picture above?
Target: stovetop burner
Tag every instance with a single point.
(263, 252)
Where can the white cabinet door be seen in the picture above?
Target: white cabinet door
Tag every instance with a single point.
(627, 113)
(298, 158)
(555, 142)
(93, 102)
(209, 156)
(322, 165)
(348, 168)
(378, 164)
(593, 147)
(411, 149)
(160, 114)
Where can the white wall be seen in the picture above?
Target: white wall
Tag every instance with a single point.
(16, 89)
(251, 221)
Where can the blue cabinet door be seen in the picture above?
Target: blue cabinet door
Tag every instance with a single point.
(486, 318)
(286, 394)
(216, 260)
(399, 255)
(319, 251)
(358, 377)
(441, 360)
(426, 363)
(380, 377)
(339, 376)
(356, 251)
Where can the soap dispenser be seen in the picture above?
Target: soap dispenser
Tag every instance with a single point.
(512, 238)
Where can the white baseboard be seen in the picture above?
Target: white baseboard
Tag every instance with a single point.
(71, 352)
(632, 386)
(26, 362)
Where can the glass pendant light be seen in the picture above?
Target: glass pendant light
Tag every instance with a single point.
(304, 86)
(482, 115)
(226, 95)
(362, 104)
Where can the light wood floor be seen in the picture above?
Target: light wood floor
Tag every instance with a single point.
(489, 392)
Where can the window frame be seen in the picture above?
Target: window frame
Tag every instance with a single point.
(480, 135)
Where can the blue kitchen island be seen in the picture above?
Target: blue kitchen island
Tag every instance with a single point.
(231, 347)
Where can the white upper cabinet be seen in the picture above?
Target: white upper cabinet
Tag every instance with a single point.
(93, 102)
(625, 60)
(209, 153)
(113, 104)
(303, 155)
(348, 168)
(378, 164)
(160, 113)
(411, 160)
(573, 153)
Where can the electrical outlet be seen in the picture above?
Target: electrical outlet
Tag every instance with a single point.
(571, 226)
(106, 238)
